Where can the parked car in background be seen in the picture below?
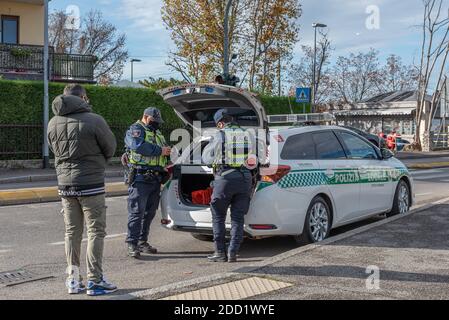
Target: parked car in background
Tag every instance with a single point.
(374, 139)
(401, 143)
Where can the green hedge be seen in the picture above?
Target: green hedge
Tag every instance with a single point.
(21, 102)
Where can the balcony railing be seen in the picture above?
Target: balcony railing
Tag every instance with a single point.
(29, 60)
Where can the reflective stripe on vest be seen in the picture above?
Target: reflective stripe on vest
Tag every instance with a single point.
(153, 138)
(235, 147)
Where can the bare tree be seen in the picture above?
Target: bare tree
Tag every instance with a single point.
(434, 54)
(396, 76)
(96, 37)
(356, 77)
(302, 73)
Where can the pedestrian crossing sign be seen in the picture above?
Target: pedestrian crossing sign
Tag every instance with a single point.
(303, 95)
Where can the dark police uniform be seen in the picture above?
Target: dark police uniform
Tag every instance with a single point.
(144, 145)
(232, 186)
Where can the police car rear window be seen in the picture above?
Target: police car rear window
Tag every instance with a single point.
(328, 146)
(298, 147)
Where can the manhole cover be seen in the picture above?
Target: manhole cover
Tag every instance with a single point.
(12, 278)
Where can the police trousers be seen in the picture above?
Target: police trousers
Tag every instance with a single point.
(143, 202)
(231, 190)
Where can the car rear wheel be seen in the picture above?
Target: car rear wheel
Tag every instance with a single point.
(317, 224)
(203, 237)
(401, 203)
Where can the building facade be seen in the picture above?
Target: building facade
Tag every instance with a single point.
(383, 113)
(22, 47)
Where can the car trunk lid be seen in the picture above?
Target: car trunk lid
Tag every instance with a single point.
(197, 103)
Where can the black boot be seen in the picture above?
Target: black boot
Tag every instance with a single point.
(232, 257)
(133, 251)
(146, 248)
(218, 256)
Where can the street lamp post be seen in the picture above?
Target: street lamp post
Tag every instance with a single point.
(314, 84)
(226, 41)
(45, 151)
(132, 68)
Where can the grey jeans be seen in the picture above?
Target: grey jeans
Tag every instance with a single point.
(92, 211)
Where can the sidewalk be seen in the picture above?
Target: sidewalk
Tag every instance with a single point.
(25, 186)
(411, 253)
(8, 176)
(422, 155)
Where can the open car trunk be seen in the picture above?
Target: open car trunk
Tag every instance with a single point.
(189, 183)
(196, 105)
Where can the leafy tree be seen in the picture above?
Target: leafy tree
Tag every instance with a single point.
(161, 83)
(261, 33)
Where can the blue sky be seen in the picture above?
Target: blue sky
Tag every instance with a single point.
(148, 40)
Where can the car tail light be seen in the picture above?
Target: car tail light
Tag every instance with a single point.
(262, 226)
(170, 169)
(274, 174)
(165, 222)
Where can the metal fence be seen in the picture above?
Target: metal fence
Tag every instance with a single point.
(21, 58)
(20, 141)
(24, 141)
(440, 141)
(30, 59)
(72, 67)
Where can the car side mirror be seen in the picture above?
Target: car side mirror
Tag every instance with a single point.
(386, 154)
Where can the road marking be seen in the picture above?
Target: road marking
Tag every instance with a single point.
(5, 251)
(418, 172)
(112, 236)
(423, 194)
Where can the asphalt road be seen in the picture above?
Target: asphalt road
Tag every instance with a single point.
(31, 238)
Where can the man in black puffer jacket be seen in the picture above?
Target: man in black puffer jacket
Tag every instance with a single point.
(82, 143)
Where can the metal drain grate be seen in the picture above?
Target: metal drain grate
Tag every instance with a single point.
(235, 290)
(12, 278)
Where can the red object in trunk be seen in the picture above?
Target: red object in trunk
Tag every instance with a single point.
(202, 197)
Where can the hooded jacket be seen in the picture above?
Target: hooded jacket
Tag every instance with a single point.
(82, 143)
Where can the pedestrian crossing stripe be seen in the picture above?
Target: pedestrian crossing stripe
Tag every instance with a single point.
(313, 178)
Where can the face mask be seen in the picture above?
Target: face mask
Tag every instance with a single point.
(154, 125)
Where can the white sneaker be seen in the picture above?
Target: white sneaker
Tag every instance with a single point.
(74, 281)
(100, 288)
(74, 286)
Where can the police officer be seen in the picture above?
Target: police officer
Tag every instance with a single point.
(148, 155)
(228, 152)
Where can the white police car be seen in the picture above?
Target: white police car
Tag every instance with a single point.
(319, 177)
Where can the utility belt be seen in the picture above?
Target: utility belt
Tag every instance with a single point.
(223, 170)
(147, 174)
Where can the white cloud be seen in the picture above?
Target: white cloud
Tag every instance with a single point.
(346, 19)
(143, 14)
(347, 25)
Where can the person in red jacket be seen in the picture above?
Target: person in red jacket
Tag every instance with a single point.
(391, 140)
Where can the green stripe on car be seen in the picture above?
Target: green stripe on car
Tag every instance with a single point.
(312, 178)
